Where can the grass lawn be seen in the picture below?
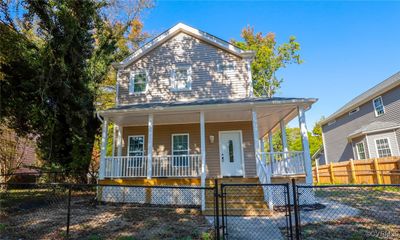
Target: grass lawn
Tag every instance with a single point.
(40, 214)
(379, 216)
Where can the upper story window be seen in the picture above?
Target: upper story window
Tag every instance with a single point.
(226, 67)
(383, 147)
(378, 106)
(331, 122)
(182, 78)
(138, 82)
(360, 150)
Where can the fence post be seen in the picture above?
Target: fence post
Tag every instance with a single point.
(331, 173)
(317, 170)
(296, 210)
(216, 205)
(289, 210)
(377, 173)
(68, 209)
(353, 171)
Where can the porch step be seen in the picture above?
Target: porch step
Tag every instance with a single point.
(239, 200)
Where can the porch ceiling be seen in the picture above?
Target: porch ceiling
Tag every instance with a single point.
(268, 116)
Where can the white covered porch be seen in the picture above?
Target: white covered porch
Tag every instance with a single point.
(266, 117)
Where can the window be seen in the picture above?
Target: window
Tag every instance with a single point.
(383, 147)
(226, 67)
(138, 82)
(378, 106)
(354, 111)
(360, 151)
(181, 78)
(180, 149)
(231, 154)
(135, 151)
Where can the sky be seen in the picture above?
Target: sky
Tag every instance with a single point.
(347, 46)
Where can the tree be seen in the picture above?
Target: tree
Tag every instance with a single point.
(54, 58)
(269, 58)
(12, 152)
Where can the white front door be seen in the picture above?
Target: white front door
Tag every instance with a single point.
(230, 149)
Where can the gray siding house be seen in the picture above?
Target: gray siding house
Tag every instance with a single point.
(366, 127)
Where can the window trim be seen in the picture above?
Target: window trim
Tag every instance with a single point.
(377, 150)
(173, 87)
(132, 75)
(226, 71)
(172, 148)
(355, 110)
(358, 152)
(383, 106)
(144, 151)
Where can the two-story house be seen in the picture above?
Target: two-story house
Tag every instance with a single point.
(366, 127)
(186, 114)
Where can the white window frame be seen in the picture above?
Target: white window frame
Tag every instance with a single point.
(375, 110)
(131, 84)
(358, 151)
(377, 150)
(174, 87)
(144, 151)
(219, 70)
(354, 111)
(172, 148)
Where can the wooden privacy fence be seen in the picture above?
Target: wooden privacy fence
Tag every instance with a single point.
(369, 171)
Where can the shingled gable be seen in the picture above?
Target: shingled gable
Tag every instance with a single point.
(178, 28)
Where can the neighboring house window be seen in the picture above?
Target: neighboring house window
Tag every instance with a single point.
(383, 147)
(360, 151)
(182, 78)
(180, 149)
(331, 122)
(226, 67)
(135, 151)
(378, 106)
(354, 111)
(138, 82)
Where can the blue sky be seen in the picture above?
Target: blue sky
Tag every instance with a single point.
(347, 46)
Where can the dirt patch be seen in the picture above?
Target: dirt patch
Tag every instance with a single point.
(103, 221)
(378, 217)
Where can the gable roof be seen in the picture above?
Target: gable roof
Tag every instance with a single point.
(368, 95)
(178, 28)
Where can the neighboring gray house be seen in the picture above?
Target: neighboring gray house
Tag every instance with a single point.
(366, 127)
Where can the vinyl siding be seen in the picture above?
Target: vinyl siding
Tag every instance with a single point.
(207, 82)
(162, 142)
(337, 146)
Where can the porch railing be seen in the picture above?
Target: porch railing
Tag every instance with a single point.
(177, 166)
(126, 166)
(162, 166)
(284, 163)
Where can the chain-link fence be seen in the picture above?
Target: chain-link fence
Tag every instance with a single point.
(73, 211)
(256, 211)
(349, 211)
(247, 211)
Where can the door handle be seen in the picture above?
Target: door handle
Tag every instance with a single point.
(222, 156)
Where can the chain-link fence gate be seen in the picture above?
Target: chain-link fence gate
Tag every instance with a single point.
(256, 211)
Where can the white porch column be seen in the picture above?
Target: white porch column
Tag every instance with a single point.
(103, 149)
(284, 136)
(203, 159)
(306, 147)
(119, 141)
(113, 140)
(271, 151)
(255, 136)
(150, 146)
